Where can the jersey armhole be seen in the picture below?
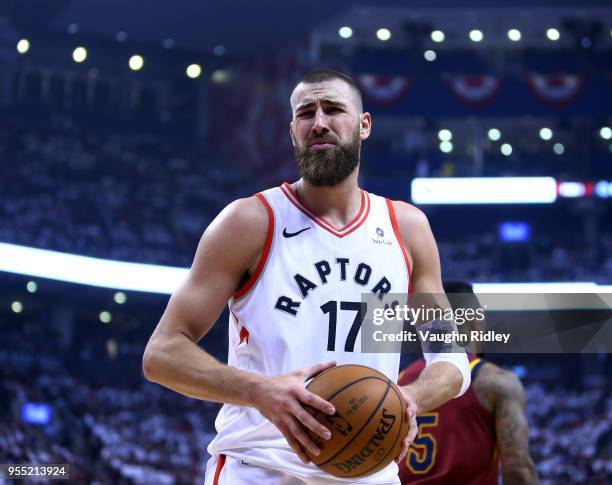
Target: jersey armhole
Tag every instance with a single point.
(398, 236)
(264, 255)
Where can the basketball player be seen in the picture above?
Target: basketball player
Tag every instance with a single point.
(464, 440)
(293, 262)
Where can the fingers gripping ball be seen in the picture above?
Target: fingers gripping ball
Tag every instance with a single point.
(369, 425)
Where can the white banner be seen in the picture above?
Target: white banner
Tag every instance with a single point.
(484, 190)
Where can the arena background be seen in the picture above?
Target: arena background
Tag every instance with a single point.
(105, 161)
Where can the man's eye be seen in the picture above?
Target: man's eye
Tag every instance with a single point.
(305, 114)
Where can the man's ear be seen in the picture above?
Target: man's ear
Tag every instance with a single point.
(365, 125)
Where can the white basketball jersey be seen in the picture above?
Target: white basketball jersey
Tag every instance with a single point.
(301, 307)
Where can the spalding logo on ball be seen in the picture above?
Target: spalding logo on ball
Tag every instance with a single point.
(369, 425)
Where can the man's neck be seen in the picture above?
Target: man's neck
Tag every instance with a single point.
(339, 204)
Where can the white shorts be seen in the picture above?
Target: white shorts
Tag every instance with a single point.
(227, 470)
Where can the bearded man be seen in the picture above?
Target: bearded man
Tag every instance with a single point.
(292, 261)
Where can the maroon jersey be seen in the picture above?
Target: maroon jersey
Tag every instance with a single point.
(455, 442)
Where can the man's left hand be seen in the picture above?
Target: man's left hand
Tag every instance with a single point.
(411, 412)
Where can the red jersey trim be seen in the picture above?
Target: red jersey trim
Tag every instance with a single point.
(244, 332)
(220, 464)
(361, 217)
(266, 251)
(398, 236)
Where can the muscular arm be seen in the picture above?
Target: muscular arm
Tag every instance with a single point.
(502, 392)
(227, 250)
(440, 381)
(231, 246)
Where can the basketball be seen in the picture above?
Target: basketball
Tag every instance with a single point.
(369, 425)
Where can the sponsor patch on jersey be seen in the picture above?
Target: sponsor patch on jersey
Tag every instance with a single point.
(379, 239)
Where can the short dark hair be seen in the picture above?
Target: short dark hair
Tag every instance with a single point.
(321, 75)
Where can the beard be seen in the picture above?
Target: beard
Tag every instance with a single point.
(327, 168)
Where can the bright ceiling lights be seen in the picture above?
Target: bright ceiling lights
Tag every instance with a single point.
(494, 134)
(514, 35)
(345, 32)
(383, 34)
(79, 54)
(23, 46)
(553, 34)
(136, 62)
(445, 135)
(193, 71)
(476, 35)
(546, 134)
(438, 36)
(430, 55)
(446, 146)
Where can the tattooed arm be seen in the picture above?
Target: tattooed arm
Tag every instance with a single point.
(502, 393)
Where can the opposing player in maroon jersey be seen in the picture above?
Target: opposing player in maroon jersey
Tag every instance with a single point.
(465, 440)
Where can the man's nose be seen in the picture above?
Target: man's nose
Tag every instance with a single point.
(320, 122)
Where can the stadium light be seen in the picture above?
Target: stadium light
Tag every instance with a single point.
(484, 190)
(553, 34)
(438, 36)
(494, 134)
(572, 189)
(168, 43)
(605, 132)
(85, 270)
(476, 35)
(73, 28)
(17, 306)
(121, 36)
(219, 50)
(105, 317)
(23, 46)
(136, 62)
(220, 76)
(601, 189)
(514, 35)
(529, 288)
(430, 55)
(79, 54)
(165, 279)
(383, 34)
(31, 286)
(558, 148)
(112, 348)
(120, 298)
(345, 32)
(446, 146)
(506, 149)
(445, 135)
(193, 71)
(546, 134)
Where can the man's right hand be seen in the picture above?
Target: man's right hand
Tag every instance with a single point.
(281, 400)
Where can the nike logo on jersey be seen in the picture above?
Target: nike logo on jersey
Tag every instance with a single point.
(292, 234)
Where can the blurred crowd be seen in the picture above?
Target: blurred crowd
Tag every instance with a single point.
(107, 434)
(136, 197)
(147, 198)
(565, 428)
(483, 258)
(113, 430)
